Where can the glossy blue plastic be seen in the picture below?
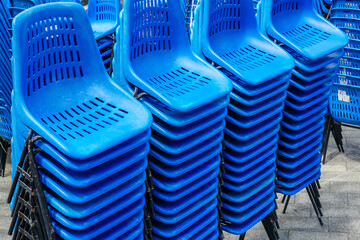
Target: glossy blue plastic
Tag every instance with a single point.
(178, 81)
(113, 123)
(248, 197)
(104, 16)
(345, 104)
(5, 70)
(254, 57)
(300, 170)
(293, 163)
(347, 80)
(293, 135)
(305, 31)
(244, 227)
(300, 186)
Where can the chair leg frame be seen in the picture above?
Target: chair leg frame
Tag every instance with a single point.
(5, 144)
(30, 213)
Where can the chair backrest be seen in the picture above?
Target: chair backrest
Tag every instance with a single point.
(226, 22)
(154, 28)
(104, 11)
(230, 17)
(53, 49)
(288, 9)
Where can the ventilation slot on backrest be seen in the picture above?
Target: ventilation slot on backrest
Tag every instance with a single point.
(105, 10)
(224, 16)
(280, 6)
(52, 52)
(151, 28)
(83, 119)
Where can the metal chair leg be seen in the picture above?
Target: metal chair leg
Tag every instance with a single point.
(314, 206)
(286, 204)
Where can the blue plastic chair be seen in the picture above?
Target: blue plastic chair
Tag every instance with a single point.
(187, 129)
(47, 118)
(311, 36)
(104, 16)
(89, 191)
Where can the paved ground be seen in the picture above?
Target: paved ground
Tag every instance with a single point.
(340, 196)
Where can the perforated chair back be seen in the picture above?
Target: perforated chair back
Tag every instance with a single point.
(297, 24)
(54, 52)
(226, 22)
(154, 30)
(104, 16)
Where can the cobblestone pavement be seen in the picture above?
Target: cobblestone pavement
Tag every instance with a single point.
(340, 197)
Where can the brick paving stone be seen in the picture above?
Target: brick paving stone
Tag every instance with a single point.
(354, 199)
(354, 236)
(302, 235)
(339, 211)
(326, 198)
(345, 187)
(344, 225)
(310, 224)
(297, 210)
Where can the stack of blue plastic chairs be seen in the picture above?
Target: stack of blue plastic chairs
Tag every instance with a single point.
(316, 46)
(345, 95)
(92, 161)
(104, 19)
(188, 99)
(5, 71)
(260, 73)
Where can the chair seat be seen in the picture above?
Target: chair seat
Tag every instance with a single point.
(181, 119)
(83, 195)
(240, 228)
(75, 124)
(237, 218)
(179, 82)
(293, 135)
(299, 187)
(132, 188)
(241, 157)
(102, 29)
(187, 228)
(301, 169)
(242, 167)
(253, 199)
(310, 35)
(90, 222)
(115, 220)
(250, 182)
(172, 219)
(292, 183)
(295, 162)
(180, 169)
(201, 186)
(167, 230)
(255, 60)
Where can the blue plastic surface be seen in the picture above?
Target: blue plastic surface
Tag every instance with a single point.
(104, 16)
